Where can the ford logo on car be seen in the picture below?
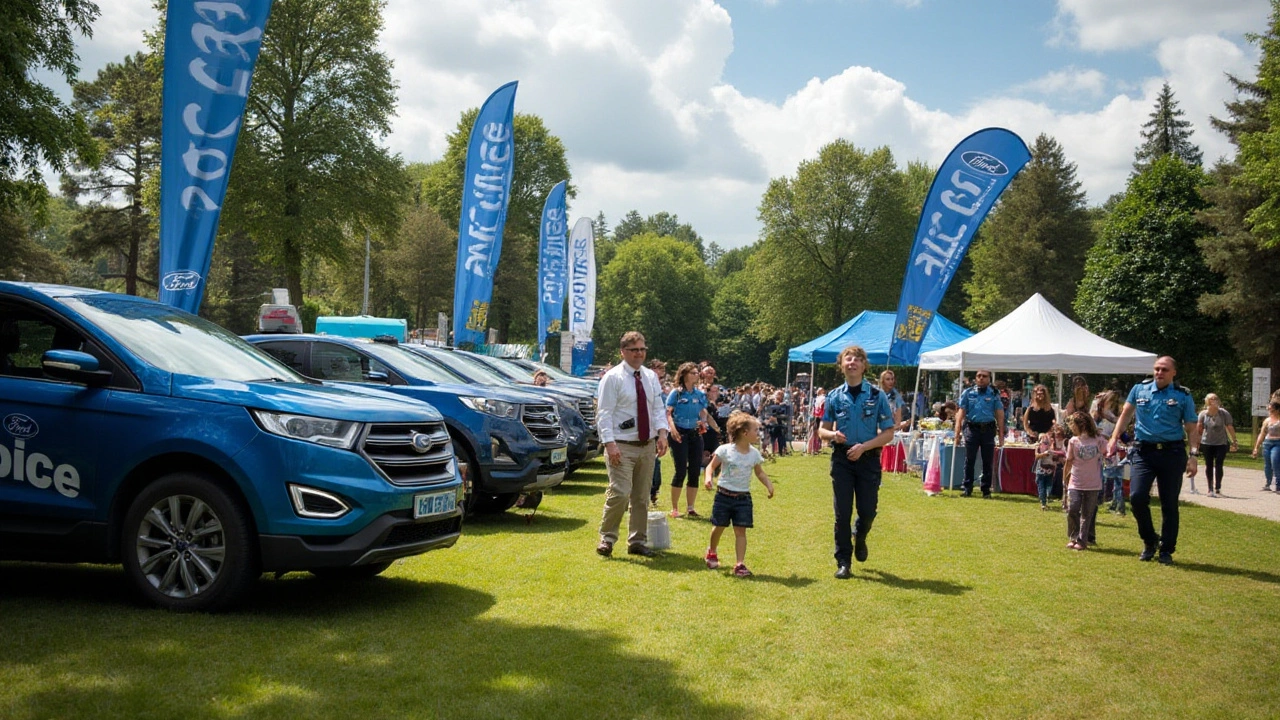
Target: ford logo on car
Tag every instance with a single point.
(984, 163)
(21, 426)
(181, 280)
(421, 442)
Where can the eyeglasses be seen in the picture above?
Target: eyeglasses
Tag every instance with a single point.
(636, 350)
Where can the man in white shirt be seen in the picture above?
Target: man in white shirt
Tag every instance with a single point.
(632, 420)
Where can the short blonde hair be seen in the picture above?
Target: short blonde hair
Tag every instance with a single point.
(855, 350)
(738, 424)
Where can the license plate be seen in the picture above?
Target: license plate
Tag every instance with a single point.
(559, 455)
(434, 504)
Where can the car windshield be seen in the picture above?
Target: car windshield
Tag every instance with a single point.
(179, 342)
(508, 368)
(555, 372)
(410, 363)
(473, 370)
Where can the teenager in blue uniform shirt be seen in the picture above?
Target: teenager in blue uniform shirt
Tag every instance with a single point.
(858, 421)
(980, 426)
(1164, 416)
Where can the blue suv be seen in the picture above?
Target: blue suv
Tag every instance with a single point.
(512, 443)
(135, 433)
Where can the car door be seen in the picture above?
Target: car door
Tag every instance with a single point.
(336, 362)
(48, 441)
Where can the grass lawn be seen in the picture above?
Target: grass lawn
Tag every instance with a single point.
(966, 608)
(1242, 459)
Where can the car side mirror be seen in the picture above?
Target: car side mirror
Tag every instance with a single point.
(74, 366)
(378, 376)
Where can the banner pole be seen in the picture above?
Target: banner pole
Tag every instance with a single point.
(955, 434)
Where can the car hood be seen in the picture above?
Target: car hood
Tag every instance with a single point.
(306, 399)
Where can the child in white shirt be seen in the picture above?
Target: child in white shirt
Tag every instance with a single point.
(736, 460)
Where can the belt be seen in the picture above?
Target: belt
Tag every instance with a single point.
(1162, 445)
(841, 449)
(635, 443)
(983, 424)
(726, 493)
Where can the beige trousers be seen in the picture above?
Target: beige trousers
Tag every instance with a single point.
(629, 485)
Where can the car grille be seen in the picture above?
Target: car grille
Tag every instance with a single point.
(587, 407)
(422, 532)
(543, 422)
(391, 448)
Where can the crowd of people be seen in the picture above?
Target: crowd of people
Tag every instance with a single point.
(721, 437)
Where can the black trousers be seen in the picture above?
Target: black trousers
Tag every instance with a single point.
(1214, 455)
(686, 453)
(853, 483)
(1164, 469)
(979, 439)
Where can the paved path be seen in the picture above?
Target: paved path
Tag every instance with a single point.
(1241, 493)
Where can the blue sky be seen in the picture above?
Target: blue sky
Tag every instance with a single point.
(691, 106)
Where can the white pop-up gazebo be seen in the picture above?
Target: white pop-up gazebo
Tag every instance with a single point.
(1036, 337)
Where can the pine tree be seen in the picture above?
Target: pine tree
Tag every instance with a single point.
(1250, 297)
(1035, 241)
(1166, 133)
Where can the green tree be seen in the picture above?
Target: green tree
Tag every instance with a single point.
(539, 164)
(35, 125)
(1035, 241)
(1167, 132)
(122, 106)
(1257, 134)
(309, 174)
(662, 223)
(835, 241)
(422, 263)
(23, 258)
(1145, 275)
(1248, 301)
(738, 354)
(632, 224)
(659, 286)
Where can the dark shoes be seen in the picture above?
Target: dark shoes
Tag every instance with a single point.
(986, 494)
(860, 548)
(1148, 553)
(967, 493)
(1166, 558)
(605, 548)
(843, 573)
(640, 549)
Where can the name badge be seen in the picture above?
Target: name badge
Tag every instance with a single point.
(1170, 402)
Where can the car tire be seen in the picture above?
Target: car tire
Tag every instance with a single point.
(356, 573)
(188, 546)
(490, 504)
(464, 455)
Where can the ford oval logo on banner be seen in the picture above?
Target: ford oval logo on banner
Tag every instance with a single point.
(181, 281)
(984, 163)
(21, 426)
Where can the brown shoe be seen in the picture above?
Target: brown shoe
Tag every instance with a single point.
(605, 548)
(640, 549)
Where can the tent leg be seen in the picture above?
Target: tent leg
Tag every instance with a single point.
(915, 400)
(955, 443)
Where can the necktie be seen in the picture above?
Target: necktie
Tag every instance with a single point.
(642, 409)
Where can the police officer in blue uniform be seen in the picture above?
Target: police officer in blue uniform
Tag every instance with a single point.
(857, 421)
(980, 426)
(1164, 415)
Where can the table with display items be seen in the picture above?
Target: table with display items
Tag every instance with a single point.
(1014, 469)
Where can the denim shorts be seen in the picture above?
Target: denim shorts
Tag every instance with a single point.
(727, 509)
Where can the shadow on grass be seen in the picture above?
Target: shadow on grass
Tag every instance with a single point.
(1257, 575)
(577, 488)
(390, 647)
(937, 587)
(677, 563)
(516, 521)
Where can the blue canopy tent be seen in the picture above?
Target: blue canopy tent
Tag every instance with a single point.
(873, 331)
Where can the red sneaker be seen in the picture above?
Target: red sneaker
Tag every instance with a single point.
(713, 560)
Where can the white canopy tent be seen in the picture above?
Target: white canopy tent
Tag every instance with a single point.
(1036, 337)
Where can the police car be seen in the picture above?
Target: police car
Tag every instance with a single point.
(134, 433)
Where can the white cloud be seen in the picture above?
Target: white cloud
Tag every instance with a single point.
(1122, 24)
(635, 89)
(1070, 82)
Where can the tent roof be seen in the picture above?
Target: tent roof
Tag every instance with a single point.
(1036, 337)
(873, 330)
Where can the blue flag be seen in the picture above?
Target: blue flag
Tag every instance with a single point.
(963, 191)
(553, 266)
(209, 52)
(486, 187)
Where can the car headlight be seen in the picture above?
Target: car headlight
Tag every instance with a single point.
(497, 408)
(322, 431)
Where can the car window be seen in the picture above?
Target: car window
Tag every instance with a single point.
(292, 354)
(27, 332)
(410, 362)
(474, 370)
(339, 363)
